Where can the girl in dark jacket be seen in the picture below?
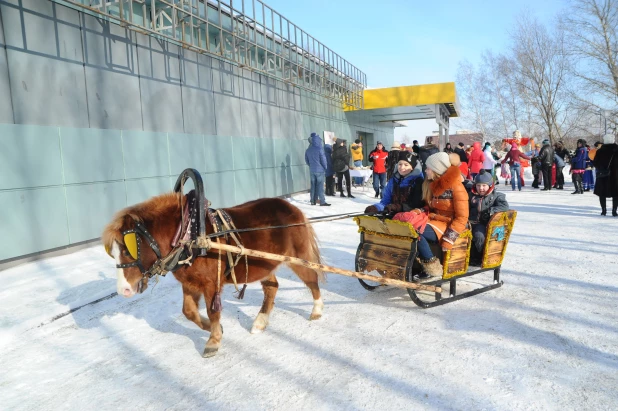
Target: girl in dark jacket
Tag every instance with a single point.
(341, 160)
(578, 166)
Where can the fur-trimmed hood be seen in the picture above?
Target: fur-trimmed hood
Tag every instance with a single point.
(447, 181)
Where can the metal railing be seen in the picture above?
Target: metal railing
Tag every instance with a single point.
(247, 32)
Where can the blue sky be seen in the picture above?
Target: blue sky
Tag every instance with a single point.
(398, 43)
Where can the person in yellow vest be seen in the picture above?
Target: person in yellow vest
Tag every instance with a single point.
(357, 159)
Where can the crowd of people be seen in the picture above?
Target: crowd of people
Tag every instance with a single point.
(442, 192)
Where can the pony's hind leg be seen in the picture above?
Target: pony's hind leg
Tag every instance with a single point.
(270, 287)
(190, 308)
(310, 278)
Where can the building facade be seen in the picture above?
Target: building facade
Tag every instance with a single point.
(98, 112)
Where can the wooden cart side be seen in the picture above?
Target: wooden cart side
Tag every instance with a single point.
(456, 260)
(497, 237)
(386, 247)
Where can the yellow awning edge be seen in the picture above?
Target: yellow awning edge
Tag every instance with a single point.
(419, 95)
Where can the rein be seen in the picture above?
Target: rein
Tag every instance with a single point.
(313, 220)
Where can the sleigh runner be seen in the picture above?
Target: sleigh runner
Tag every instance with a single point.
(389, 247)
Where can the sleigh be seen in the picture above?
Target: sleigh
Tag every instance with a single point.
(389, 248)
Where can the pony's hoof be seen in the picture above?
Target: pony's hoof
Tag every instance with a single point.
(315, 317)
(209, 352)
(260, 323)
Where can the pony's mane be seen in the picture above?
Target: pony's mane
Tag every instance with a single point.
(143, 212)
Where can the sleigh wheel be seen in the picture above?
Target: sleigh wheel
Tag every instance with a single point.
(367, 285)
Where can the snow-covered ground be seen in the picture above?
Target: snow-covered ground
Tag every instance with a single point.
(548, 339)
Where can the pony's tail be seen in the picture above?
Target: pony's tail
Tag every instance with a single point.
(315, 251)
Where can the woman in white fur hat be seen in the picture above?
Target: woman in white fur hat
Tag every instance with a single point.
(447, 200)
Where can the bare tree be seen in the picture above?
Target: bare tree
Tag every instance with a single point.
(542, 69)
(592, 33)
(472, 87)
(504, 122)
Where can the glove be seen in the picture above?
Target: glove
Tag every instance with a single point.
(446, 246)
(393, 208)
(371, 210)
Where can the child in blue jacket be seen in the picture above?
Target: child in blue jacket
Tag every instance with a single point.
(404, 191)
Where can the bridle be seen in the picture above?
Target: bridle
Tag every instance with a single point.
(140, 231)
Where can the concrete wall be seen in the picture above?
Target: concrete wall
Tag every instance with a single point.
(94, 117)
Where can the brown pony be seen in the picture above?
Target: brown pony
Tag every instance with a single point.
(161, 216)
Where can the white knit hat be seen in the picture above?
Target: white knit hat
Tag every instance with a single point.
(438, 163)
(608, 139)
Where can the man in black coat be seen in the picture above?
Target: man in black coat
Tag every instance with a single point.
(606, 163)
(547, 160)
(427, 150)
(461, 152)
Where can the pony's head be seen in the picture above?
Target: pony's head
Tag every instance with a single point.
(130, 236)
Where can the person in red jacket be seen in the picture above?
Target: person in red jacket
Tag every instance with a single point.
(476, 159)
(378, 157)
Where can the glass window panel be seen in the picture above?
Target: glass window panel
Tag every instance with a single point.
(277, 23)
(214, 39)
(268, 18)
(279, 67)
(213, 15)
(226, 22)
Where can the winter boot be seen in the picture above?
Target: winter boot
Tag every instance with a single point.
(433, 268)
(579, 187)
(603, 202)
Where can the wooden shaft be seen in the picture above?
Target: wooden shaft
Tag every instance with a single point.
(316, 266)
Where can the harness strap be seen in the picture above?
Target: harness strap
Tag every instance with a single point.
(229, 225)
(151, 241)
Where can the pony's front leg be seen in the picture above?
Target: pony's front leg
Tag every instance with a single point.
(216, 332)
(190, 308)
